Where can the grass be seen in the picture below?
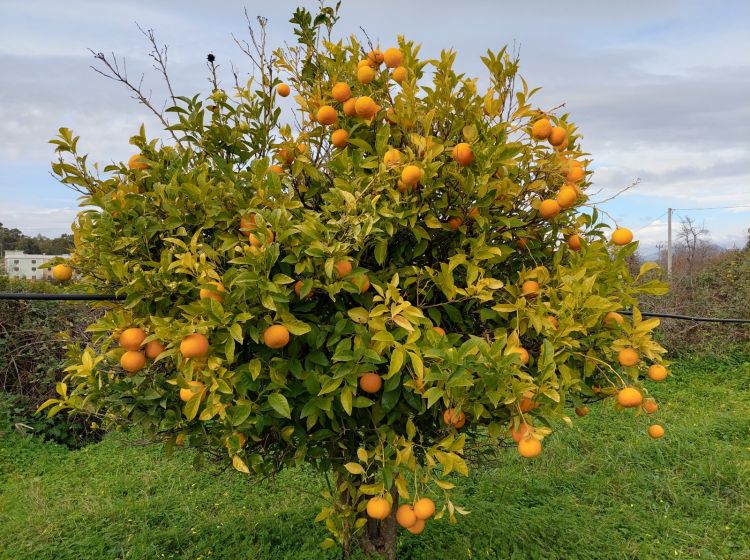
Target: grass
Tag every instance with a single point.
(601, 490)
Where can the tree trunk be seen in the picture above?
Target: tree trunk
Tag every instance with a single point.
(379, 537)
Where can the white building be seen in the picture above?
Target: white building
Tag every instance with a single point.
(18, 264)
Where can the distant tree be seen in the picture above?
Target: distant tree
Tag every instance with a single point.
(692, 239)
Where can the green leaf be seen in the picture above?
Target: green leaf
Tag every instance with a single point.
(381, 251)
(192, 406)
(254, 367)
(278, 402)
(346, 399)
(397, 360)
(330, 386)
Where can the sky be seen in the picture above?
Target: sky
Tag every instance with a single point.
(660, 89)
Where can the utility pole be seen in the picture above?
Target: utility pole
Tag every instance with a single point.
(669, 243)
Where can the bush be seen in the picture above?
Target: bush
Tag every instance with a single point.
(33, 336)
(720, 288)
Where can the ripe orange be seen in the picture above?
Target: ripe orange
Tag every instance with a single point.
(194, 346)
(399, 74)
(523, 354)
(403, 188)
(529, 447)
(132, 361)
(214, 294)
(392, 157)
(622, 236)
(613, 319)
(326, 115)
(132, 338)
(365, 107)
(567, 196)
(574, 242)
(657, 372)
(527, 403)
(341, 92)
(194, 387)
(370, 382)
(650, 406)
(298, 290)
(362, 282)
(348, 107)
(439, 330)
(411, 175)
(582, 411)
(285, 156)
(343, 268)
(473, 213)
(541, 129)
(378, 508)
(340, 138)
(530, 289)
(276, 336)
(424, 508)
(575, 171)
(522, 431)
(242, 439)
(557, 136)
(137, 161)
(283, 90)
(417, 528)
(62, 272)
(549, 208)
(255, 240)
(366, 74)
(153, 349)
(656, 431)
(247, 223)
(628, 357)
(376, 56)
(629, 397)
(552, 320)
(462, 154)
(405, 515)
(454, 222)
(453, 418)
(393, 57)
(366, 62)
(277, 169)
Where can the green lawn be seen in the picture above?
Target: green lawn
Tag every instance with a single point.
(600, 490)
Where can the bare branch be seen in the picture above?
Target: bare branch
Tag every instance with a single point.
(114, 73)
(618, 193)
(159, 55)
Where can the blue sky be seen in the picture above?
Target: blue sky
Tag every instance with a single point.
(659, 89)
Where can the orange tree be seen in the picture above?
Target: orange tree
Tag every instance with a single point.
(400, 284)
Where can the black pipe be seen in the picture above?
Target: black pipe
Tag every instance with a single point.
(687, 318)
(67, 297)
(113, 297)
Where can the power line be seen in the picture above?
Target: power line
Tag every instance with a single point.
(714, 208)
(650, 223)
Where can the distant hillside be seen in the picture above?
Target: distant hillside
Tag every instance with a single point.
(15, 240)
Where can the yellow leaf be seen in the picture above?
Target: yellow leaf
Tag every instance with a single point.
(239, 464)
(354, 468)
